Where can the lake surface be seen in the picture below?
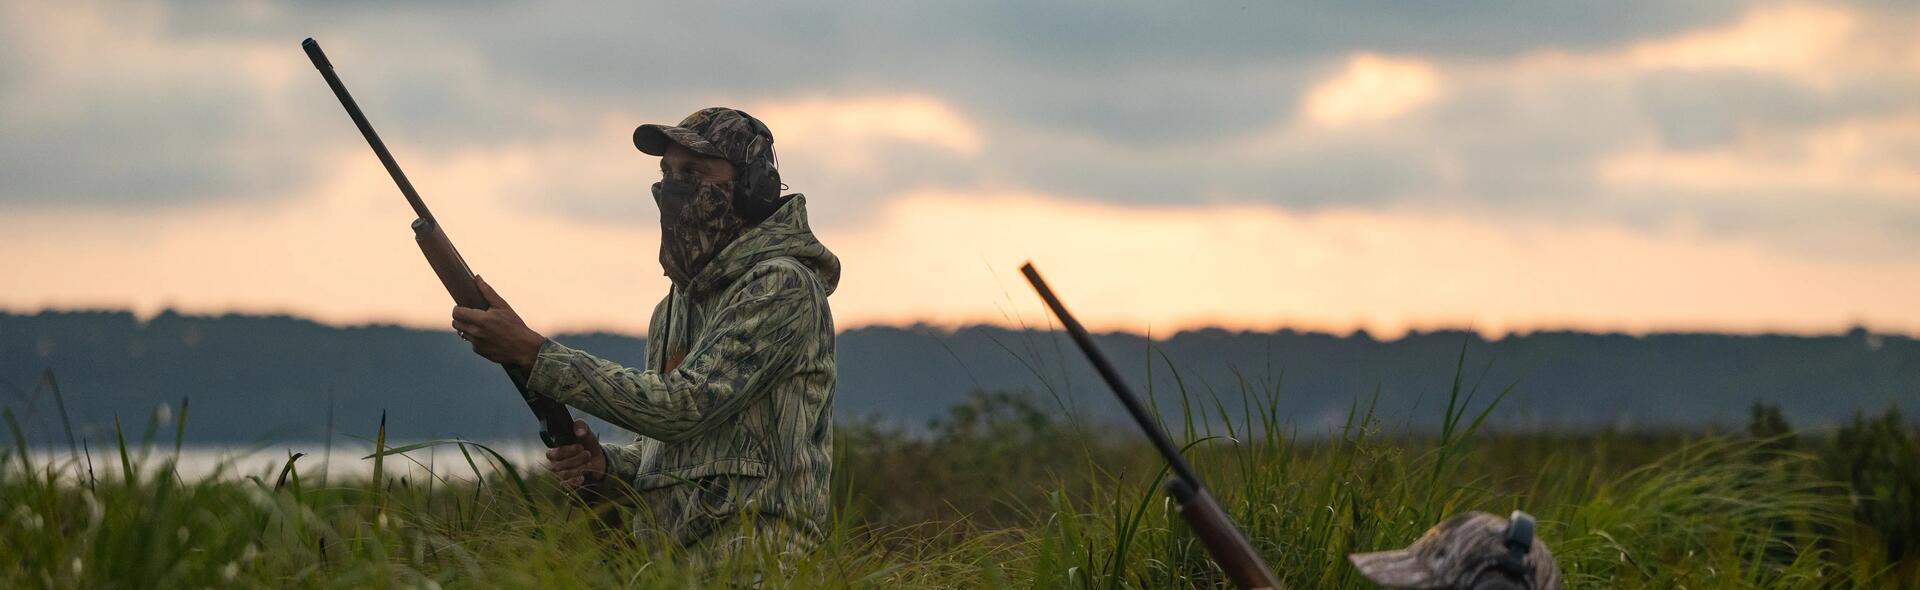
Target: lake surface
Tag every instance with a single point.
(195, 462)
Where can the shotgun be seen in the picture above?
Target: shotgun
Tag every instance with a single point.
(1209, 522)
(556, 424)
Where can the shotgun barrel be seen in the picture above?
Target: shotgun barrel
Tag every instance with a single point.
(556, 424)
(1209, 521)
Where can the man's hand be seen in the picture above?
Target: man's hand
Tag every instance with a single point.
(580, 464)
(498, 333)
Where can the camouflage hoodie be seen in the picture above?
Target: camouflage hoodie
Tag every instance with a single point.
(739, 428)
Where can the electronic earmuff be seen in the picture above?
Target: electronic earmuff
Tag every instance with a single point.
(1512, 567)
(757, 186)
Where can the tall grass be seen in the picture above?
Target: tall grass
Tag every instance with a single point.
(1001, 493)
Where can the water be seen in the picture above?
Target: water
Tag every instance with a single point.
(342, 461)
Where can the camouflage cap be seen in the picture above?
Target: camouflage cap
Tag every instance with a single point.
(1456, 552)
(720, 132)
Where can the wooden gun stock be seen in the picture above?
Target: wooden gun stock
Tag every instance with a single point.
(556, 424)
(1223, 541)
(447, 264)
(1209, 522)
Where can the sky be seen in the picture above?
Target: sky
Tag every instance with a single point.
(1387, 166)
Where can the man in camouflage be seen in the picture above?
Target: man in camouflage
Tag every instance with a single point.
(734, 406)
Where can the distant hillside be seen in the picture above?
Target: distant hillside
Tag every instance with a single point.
(276, 377)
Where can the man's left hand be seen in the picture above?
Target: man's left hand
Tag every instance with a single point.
(498, 333)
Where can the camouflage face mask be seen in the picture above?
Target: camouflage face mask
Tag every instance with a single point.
(697, 220)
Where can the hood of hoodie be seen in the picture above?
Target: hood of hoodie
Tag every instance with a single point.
(785, 233)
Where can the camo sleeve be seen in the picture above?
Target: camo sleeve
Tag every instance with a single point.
(623, 460)
(759, 335)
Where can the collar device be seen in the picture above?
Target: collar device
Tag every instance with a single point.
(1519, 542)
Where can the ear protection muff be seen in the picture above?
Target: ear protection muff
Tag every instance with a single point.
(1519, 542)
(757, 186)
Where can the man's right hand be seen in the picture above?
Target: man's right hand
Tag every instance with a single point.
(580, 464)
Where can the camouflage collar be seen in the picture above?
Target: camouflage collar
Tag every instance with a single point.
(786, 233)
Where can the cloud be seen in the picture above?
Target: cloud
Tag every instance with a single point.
(1647, 116)
(1371, 89)
(99, 110)
(1786, 36)
(850, 129)
(1872, 158)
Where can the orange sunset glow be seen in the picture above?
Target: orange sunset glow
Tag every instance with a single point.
(1752, 171)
